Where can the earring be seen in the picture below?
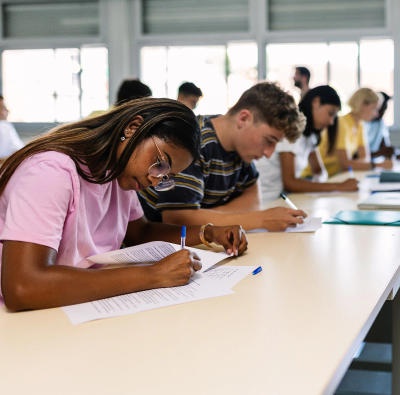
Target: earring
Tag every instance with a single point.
(123, 138)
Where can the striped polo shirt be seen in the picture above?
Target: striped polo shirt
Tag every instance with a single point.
(215, 179)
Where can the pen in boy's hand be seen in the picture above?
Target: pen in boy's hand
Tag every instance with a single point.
(288, 202)
(183, 237)
(351, 172)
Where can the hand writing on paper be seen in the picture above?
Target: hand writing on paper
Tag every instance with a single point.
(349, 185)
(177, 269)
(278, 219)
(386, 164)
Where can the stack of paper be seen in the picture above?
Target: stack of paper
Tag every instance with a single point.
(209, 282)
(309, 225)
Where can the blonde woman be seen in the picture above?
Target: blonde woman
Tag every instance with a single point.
(351, 148)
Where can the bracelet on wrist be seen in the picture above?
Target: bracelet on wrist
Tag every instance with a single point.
(201, 234)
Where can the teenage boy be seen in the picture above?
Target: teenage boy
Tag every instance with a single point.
(189, 94)
(221, 187)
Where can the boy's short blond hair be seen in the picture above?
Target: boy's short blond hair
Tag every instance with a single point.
(362, 96)
(272, 105)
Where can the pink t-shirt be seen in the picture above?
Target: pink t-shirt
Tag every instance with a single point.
(46, 202)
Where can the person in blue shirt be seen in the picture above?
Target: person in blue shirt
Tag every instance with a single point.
(378, 133)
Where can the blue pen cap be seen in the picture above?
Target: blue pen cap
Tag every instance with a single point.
(183, 233)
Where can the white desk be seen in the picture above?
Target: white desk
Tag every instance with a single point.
(292, 329)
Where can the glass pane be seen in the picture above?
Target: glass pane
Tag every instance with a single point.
(343, 58)
(67, 70)
(94, 79)
(205, 67)
(94, 63)
(292, 15)
(93, 103)
(377, 62)
(29, 84)
(67, 108)
(193, 16)
(38, 108)
(243, 69)
(154, 69)
(51, 19)
(283, 58)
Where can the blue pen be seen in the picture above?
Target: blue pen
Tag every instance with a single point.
(183, 237)
(258, 270)
(351, 172)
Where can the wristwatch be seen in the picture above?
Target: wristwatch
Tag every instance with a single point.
(201, 234)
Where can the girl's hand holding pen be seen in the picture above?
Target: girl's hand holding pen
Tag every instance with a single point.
(176, 269)
(232, 238)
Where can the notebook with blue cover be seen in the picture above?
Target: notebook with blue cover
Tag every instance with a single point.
(389, 176)
(384, 218)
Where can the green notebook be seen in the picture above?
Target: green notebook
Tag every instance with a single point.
(388, 218)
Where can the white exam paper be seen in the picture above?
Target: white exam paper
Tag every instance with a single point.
(229, 276)
(153, 252)
(330, 193)
(310, 225)
(373, 184)
(199, 287)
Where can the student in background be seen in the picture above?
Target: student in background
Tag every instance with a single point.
(189, 94)
(71, 194)
(132, 89)
(221, 187)
(301, 80)
(128, 90)
(9, 139)
(351, 148)
(282, 171)
(378, 133)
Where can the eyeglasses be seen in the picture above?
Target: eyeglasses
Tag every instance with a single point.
(161, 169)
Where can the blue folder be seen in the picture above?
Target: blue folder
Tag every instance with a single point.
(389, 176)
(384, 218)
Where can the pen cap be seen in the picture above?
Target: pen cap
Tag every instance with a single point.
(183, 233)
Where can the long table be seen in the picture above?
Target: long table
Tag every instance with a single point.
(291, 329)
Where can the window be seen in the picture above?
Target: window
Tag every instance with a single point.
(193, 16)
(343, 70)
(55, 84)
(283, 58)
(59, 18)
(338, 64)
(222, 72)
(376, 69)
(290, 15)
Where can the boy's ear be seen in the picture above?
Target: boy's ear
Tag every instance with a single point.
(133, 126)
(244, 117)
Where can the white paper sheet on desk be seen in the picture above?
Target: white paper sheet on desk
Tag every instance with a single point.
(329, 193)
(228, 275)
(200, 287)
(373, 184)
(310, 225)
(153, 252)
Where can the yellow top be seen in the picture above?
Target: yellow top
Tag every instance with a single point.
(99, 112)
(350, 138)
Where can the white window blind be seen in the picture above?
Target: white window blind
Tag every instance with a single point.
(325, 14)
(195, 16)
(58, 19)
